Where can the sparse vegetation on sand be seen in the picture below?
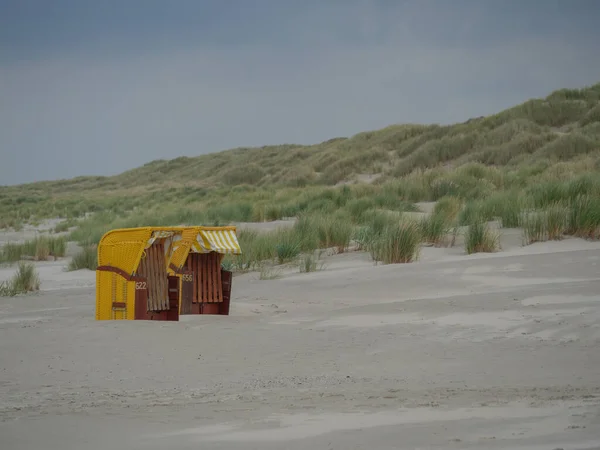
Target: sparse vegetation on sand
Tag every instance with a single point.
(311, 262)
(24, 280)
(535, 166)
(41, 248)
(86, 258)
(480, 238)
(435, 227)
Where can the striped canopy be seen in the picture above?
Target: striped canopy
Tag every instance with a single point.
(221, 241)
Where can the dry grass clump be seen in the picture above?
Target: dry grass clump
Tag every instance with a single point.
(548, 224)
(564, 208)
(584, 217)
(507, 207)
(449, 207)
(311, 262)
(268, 272)
(23, 281)
(480, 238)
(556, 220)
(534, 227)
(398, 242)
(435, 228)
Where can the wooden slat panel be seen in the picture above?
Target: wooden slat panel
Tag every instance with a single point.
(226, 278)
(189, 267)
(152, 267)
(155, 280)
(160, 290)
(187, 288)
(143, 272)
(141, 302)
(205, 279)
(198, 275)
(192, 259)
(151, 279)
(148, 274)
(172, 284)
(204, 269)
(218, 283)
(213, 278)
(201, 278)
(163, 284)
(211, 281)
(215, 291)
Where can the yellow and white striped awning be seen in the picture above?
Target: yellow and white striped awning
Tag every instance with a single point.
(160, 234)
(221, 241)
(203, 240)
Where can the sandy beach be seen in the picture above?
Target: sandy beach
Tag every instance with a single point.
(494, 351)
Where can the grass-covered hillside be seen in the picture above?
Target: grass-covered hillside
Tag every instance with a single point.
(536, 163)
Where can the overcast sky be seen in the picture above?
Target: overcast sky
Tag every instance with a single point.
(99, 87)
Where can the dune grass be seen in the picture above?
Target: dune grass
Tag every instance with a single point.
(41, 248)
(549, 223)
(535, 166)
(576, 214)
(584, 217)
(448, 207)
(287, 246)
(535, 227)
(86, 258)
(435, 228)
(398, 242)
(25, 280)
(389, 238)
(269, 272)
(480, 238)
(65, 225)
(311, 262)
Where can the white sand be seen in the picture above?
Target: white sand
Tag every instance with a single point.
(495, 351)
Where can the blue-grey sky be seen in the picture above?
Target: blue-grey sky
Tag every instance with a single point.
(99, 87)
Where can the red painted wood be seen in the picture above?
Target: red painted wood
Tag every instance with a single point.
(226, 281)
